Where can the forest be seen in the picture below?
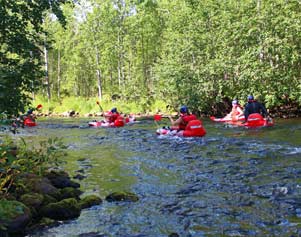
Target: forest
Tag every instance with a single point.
(198, 53)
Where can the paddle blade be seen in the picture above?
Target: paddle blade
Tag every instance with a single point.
(97, 102)
(157, 117)
(39, 106)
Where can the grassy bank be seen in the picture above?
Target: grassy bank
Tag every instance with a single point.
(85, 106)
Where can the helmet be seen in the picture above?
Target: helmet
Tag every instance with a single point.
(114, 110)
(234, 102)
(30, 111)
(250, 97)
(184, 109)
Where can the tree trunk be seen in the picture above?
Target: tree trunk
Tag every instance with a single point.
(58, 74)
(47, 82)
(98, 74)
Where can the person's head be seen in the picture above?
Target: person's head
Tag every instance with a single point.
(184, 109)
(114, 110)
(250, 97)
(234, 103)
(30, 111)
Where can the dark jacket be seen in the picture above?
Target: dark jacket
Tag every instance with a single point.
(254, 107)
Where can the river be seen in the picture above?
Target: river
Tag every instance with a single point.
(232, 182)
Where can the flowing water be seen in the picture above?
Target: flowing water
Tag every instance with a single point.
(232, 182)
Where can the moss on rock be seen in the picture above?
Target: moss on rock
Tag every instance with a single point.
(14, 216)
(63, 210)
(90, 201)
(122, 196)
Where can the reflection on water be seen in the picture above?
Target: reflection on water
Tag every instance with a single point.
(233, 182)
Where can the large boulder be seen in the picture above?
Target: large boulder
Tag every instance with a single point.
(14, 217)
(63, 210)
(70, 192)
(60, 179)
(31, 183)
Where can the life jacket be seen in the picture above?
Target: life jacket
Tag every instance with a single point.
(113, 117)
(119, 121)
(194, 128)
(186, 119)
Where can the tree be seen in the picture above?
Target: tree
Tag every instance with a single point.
(21, 38)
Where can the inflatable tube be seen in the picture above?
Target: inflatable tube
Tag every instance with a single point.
(28, 122)
(193, 129)
(256, 120)
(119, 122)
(226, 120)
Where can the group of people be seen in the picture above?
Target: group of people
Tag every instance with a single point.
(188, 121)
(252, 106)
(237, 113)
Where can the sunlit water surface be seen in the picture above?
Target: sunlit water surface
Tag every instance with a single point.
(233, 182)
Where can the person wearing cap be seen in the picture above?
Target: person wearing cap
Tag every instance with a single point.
(112, 115)
(183, 120)
(253, 107)
(236, 112)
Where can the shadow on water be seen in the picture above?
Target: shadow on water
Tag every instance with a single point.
(233, 182)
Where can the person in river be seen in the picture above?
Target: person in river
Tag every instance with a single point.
(187, 125)
(236, 112)
(183, 120)
(114, 117)
(254, 106)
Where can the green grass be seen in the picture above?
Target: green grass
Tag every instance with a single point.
(84, 105)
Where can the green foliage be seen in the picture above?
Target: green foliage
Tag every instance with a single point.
(20, 55)
(21, 158)
(84, 106)
(197, 53)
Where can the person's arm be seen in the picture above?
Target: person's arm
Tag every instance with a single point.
(246, 112)
(263, 109)
(240, 111)
(175, 122)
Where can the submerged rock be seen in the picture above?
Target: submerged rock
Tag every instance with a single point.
(90, 201)
(122, 196)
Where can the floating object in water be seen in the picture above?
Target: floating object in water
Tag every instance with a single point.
(194, 128)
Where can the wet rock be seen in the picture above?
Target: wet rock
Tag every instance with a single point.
(63, 210)
(79, 177)
(92, 234)
(34, 200)
(61, 179)
(14, 216)
(70, 192)
(174, 235)
(122, 196)
(37, 184)
(48, 199)
(90, 201)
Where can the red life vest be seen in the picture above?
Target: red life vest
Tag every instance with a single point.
(119, 121)
(194, 128)
(186, 119)
(113, 117)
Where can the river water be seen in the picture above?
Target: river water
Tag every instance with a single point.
(232, 182)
